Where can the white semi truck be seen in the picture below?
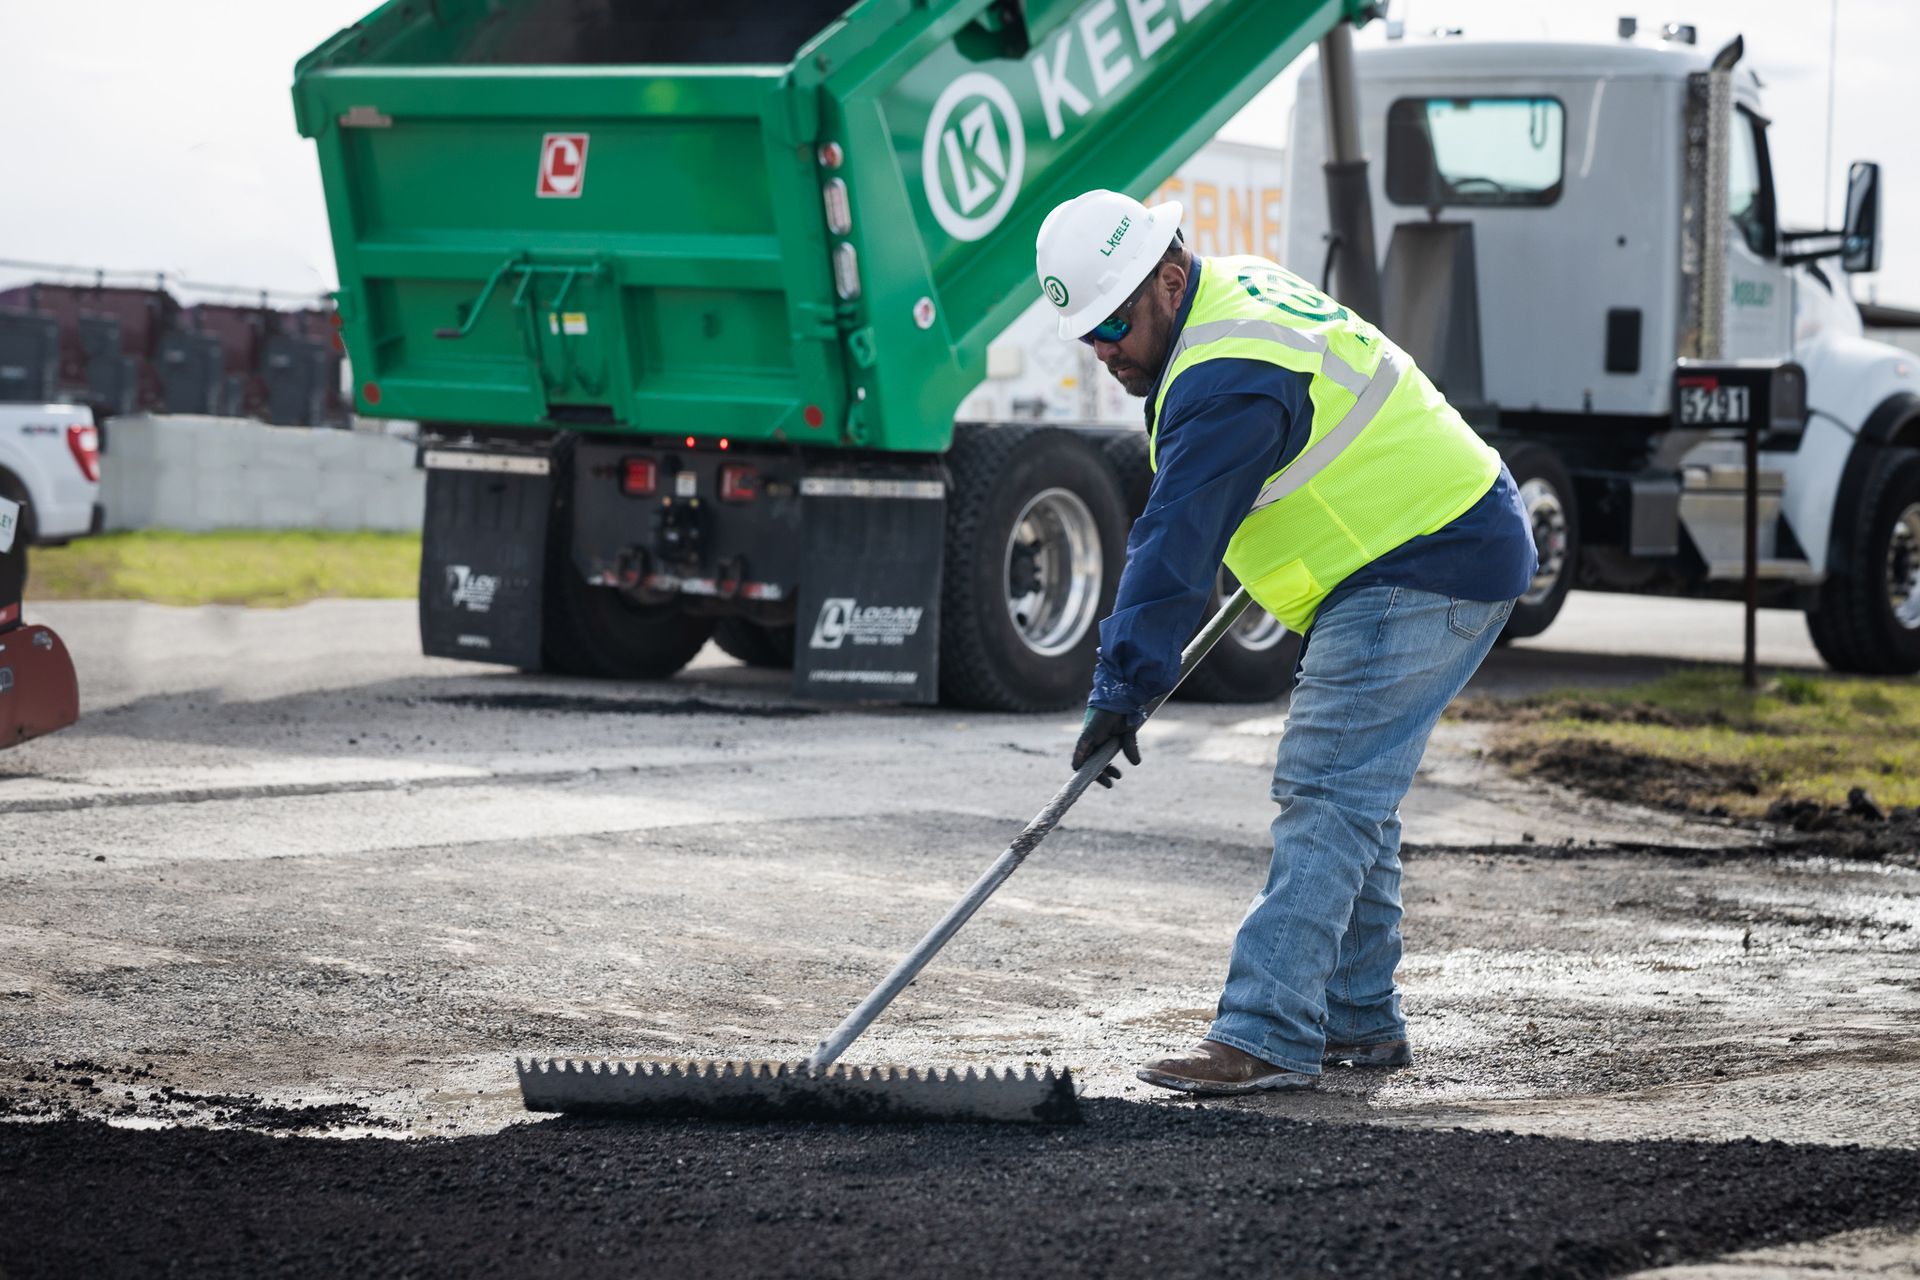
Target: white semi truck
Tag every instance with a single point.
(1567, 228)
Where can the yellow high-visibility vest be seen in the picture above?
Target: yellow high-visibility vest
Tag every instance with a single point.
(1388, 460)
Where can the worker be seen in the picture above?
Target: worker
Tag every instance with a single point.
(1291, 440)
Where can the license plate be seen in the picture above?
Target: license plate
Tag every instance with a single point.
(1715, 406)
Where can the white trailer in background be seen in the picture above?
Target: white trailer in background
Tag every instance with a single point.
(1233, 195)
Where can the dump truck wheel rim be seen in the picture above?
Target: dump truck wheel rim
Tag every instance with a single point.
(1256, 630)
(1053, 572)
(1548, 517)
(1903, 568)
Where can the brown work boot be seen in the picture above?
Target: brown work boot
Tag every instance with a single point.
(1214, 1068)
(1388, 1053)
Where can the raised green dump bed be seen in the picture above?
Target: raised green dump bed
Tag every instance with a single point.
(765, 221)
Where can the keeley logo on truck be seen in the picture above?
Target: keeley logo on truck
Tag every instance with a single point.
(842, 619)
(975, 149)
(980, 156)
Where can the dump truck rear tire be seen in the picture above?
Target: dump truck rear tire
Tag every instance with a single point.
(1253, 662)
(755, 644)
(1546, 494)
(596, 631)
(1036, 536)
(588, 630)
(1127, 453)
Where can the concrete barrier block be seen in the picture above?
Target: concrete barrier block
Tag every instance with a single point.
(334, 448)
(129, 440)
(217, 437)
(284, 487)
(190, 472)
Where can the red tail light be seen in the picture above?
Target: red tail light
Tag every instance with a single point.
(85, 443)
(639, 476)
(739, 483)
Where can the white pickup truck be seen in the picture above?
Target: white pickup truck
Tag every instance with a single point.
(50, 465)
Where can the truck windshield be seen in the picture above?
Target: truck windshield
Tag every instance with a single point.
(1475, 151)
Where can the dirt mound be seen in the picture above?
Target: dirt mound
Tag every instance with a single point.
(1859, 829)
(1618, 773)
(1585, 710)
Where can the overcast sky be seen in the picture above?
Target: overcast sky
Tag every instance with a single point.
(159, 136)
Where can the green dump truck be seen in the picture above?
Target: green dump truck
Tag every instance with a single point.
(685, 298)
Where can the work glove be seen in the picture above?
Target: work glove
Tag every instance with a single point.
(1099, 728)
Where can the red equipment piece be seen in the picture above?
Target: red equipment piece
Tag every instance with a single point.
(38, 691)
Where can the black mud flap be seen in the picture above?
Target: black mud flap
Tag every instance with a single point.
(482, 551)
(868, 623)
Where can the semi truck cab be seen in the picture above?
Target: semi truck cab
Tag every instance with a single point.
(1567, 230)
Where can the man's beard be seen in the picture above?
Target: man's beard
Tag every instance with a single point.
(1133, 378)
(1137, 381)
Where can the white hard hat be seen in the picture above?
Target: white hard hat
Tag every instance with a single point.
(1095, 249)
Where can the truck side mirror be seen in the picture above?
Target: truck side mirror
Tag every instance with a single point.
(1860, 243)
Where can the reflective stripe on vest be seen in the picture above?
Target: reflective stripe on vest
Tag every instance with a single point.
(1290, 555)
(1370, 396)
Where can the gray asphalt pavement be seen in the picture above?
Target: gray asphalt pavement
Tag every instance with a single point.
(288, 875)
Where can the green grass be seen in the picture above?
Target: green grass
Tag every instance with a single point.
(267, 568)
(1803, 736)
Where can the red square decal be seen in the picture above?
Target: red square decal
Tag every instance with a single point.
(563, 164)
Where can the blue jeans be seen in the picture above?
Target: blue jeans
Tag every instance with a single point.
(1314, 960)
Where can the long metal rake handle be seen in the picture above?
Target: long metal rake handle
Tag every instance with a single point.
(856, 1022)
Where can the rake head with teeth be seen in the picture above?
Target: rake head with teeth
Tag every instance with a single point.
(796, 1091)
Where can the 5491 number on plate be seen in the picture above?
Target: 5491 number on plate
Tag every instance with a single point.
(1715, 406)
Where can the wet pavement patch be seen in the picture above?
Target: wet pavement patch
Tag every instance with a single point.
(1160, 1190)
(592, 704)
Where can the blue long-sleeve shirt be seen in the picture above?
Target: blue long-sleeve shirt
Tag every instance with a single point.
(1226, 425)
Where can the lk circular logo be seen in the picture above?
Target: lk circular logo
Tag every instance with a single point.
(1056, 291)
(973, 157)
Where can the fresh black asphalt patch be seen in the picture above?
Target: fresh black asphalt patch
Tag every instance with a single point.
(1150, 1190)
(600, 705)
